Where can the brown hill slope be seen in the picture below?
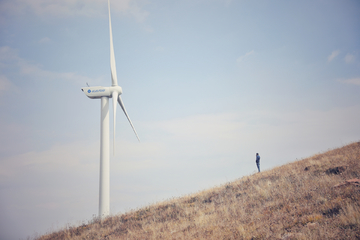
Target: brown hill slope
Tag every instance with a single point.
(300, 200)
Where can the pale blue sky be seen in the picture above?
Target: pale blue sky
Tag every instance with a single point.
(207, 84)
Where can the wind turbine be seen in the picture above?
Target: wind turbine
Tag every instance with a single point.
(104, 93)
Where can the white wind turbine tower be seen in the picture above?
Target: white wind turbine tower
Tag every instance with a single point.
(105, 93)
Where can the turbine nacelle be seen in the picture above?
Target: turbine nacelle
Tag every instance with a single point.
(98, 92)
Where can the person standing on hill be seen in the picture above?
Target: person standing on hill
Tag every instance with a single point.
(258, 161)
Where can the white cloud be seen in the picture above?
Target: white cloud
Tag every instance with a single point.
(39, 73)
(135, 10)
(333, 55)
(65, 8)
(354, 81)
(5, 84)
(68, 157)
(349, 58)
(241, 58)
(237, 133)
(9, 57)
(202, 127)
(159, 49)
(8, 54)
(44, 40)
(228, 2)
(7, 88)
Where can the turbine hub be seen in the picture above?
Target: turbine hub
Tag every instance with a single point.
(117, 89)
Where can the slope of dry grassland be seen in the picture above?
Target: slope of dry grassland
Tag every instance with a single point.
(294, 201)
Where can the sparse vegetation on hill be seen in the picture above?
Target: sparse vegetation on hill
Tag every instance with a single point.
(307, 199)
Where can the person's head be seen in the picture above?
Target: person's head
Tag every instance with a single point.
(257, 154)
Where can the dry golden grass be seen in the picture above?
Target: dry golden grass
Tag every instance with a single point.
(294, 201)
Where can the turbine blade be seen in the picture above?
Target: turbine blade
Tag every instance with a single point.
(123, 108)
(112, 55)
(114, 97)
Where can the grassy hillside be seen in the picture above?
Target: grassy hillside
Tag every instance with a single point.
(300, 200)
